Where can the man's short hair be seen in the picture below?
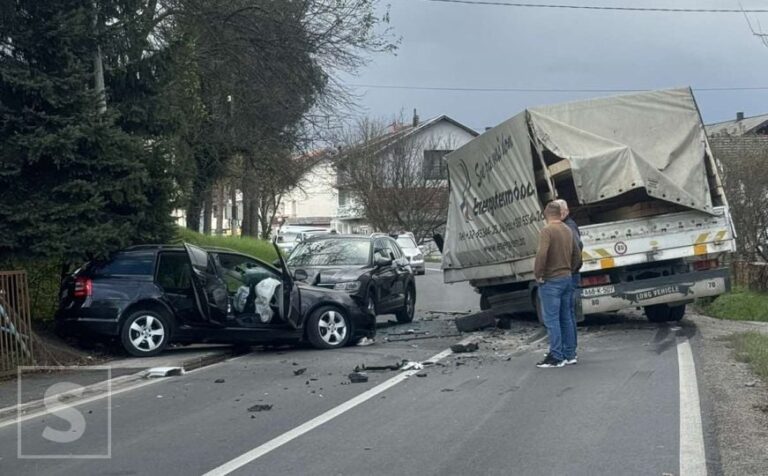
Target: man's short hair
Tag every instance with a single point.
(563, 204)
(552, 210)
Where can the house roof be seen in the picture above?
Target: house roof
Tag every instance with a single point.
(737, 127)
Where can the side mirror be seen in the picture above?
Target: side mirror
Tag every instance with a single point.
(382, 262)
(300, 275)
(422, 248)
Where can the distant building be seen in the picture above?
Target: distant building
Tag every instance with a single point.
(437, 137)
(742, 126)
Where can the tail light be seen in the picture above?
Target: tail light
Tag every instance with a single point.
(598, 280)
(83, 288)
(706, 264)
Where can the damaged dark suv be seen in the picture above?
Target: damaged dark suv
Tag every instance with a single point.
(151, 296)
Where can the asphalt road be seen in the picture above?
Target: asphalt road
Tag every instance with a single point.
(490, 412)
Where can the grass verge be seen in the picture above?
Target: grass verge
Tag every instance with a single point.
(752, 348)
(250, 246)
(738, 305)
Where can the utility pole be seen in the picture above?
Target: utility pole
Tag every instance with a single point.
(98, 65)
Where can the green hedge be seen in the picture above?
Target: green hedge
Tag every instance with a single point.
(43, 275)
(246, 245)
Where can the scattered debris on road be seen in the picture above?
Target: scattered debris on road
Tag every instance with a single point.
(260, 408)
(299, 371)
(447, 390)
(412, 366)
(461, 348)
(159, 372)
(475, 322)
(219, 380)
(358, 377)
(373, 368)
(422, 374)
(751, 383)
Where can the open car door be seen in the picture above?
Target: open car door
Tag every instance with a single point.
(210, 290)
(290, 305)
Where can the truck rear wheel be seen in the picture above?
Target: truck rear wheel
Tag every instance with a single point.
(676, 312)
(657, 313)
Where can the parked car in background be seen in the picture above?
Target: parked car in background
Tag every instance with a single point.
(373, 270)
(151, 296)
(290, 236)
(413, 252)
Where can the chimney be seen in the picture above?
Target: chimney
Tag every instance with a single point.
(739, 116)
(415, 119)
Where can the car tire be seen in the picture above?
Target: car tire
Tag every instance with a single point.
(145, 333)
(405, 314)
(323, 328)
(658, 313)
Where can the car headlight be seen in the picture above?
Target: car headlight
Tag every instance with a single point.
(349, 287)
(418, 257)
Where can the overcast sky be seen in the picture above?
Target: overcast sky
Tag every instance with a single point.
(476, 46)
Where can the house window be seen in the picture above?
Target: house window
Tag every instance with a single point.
(435, 167)
(343, 198)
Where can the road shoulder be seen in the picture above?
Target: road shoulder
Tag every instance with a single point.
(738, 400)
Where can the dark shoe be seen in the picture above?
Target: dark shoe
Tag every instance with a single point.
(550, 362)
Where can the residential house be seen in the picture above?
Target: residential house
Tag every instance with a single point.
(742, 126)
(433, 139)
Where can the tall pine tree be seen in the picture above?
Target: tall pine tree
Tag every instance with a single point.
(72, 182)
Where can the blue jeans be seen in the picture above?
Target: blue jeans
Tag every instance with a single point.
(556, 297)
(576, 281)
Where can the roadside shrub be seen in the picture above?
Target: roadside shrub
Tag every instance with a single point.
(738, 305)
(43, 280)
(250, 246)
(752, 348)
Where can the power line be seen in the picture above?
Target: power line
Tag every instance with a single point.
(543, 90)
(600, 7)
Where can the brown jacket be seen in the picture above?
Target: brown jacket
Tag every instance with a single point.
(557, 256)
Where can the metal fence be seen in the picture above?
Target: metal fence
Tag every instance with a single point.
(15, 323)
(753, 276)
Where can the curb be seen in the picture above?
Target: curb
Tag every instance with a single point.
(11, 414)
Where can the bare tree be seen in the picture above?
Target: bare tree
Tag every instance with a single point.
(744, 164)
(396, 177)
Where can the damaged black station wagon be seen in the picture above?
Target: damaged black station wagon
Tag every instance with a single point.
(151, 296)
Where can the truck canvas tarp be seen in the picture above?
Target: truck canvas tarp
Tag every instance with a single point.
(642, 149)
(641, 184)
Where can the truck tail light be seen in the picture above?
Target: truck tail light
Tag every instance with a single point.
(83, 288)
(587, 281)
(706, 264)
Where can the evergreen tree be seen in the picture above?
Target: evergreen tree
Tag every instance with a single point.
(72, 182)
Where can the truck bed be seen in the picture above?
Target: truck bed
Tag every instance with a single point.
(624, 243)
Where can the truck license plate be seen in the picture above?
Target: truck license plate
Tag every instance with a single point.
(597, 291)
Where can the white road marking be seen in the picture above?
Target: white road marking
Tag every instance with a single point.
(434, 270)
(291, 435)
(20, 419)
(693, 460)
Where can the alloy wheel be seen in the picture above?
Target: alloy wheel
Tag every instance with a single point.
(333, 327)
(146, 333)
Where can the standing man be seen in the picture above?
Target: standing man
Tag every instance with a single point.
(557, 257)
(576, 276)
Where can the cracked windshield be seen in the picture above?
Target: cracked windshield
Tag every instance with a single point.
(384, 237)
